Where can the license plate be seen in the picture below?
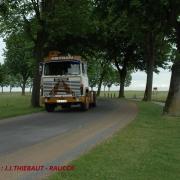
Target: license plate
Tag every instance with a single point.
(61, 101)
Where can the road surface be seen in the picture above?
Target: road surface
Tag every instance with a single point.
(50, 139)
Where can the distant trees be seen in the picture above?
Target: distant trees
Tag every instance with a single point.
(101, 71)
(1, 73)
(113, 77)
(3, 77)
(11, 80)
(98, 69)
(19, 60)
(94, 70)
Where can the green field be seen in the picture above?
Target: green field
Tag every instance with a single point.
(149, 148)
(13, 104)
(156, 96)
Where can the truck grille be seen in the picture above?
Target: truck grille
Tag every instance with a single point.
(61, 88)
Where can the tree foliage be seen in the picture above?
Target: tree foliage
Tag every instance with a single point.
(43, 23)
(19, 59)
(116, 37)
(3, 76)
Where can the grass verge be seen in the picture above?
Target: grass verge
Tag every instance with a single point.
(13, 104)
(149, 148)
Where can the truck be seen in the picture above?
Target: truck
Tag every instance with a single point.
(64, 82)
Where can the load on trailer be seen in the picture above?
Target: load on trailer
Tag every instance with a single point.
(64, 82)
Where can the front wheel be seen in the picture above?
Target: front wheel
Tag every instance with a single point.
(50, 107)
(85, 105)
(66, 106)
(94, 100)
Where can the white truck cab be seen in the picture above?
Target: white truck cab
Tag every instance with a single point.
(64, 82)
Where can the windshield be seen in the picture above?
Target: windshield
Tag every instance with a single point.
(62, 68)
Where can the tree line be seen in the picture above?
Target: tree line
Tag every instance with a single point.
(117, 37)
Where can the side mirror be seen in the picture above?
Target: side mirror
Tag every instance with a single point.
(40, 68)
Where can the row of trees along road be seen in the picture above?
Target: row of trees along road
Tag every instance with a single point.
(118, 36)
(8, 79)
(101, 71)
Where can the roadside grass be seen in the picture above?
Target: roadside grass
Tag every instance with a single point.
(156, 96)
(148, 148)
(13, 104)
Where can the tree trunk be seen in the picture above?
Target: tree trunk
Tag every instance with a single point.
(123, 74)
(172, 105)
(121, 89)
(100, 83)
(38, 54)
(46, 7)
(145, 92)
(23, 88)
(36, 82)
(150, 58)
(10, 88)
(2, 90)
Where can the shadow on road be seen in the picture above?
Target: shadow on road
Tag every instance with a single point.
(72, 109)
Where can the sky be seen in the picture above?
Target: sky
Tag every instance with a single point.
(2, 46)
(161, 80)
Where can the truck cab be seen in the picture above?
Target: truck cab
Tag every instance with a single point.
(64, 82)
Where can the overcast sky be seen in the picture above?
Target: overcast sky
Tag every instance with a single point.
(162, 80)
(2, 46)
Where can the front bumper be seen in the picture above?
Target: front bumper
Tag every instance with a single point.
(62, 100)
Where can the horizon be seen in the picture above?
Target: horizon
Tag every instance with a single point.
(161, 80)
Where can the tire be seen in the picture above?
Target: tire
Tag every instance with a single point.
(85, 106)
(50, 107)
(93, 104)
(94, 100)
(65, 106)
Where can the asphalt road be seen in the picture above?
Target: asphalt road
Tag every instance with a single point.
(57, 138)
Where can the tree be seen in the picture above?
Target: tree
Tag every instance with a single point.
(125, 63)
(22, 84)
(172, 105)
(44, 22)
(3, 77)
(93, 72)
(31, 17)
(3, 7)
(98, 66)
(1, 73)
(103, 70)
(163, 54)
(110, 77)
(12, 82)
(19, 59)
(117, 39)
(149, 27)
